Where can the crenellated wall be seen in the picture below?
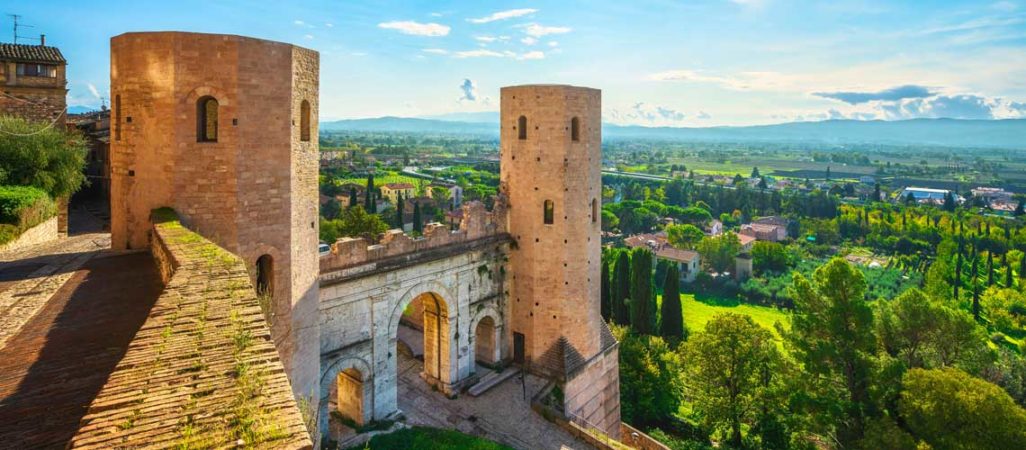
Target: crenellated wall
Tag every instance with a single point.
(477, 223)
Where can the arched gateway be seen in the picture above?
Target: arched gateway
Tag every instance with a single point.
(431, 305)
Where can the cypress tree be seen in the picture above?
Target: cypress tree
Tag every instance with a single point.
(641, 290)
(368, 201)
(1022, 267)
(1008, 273)
(876, 193)
(974, 275)
(828, 173)
(958, 272)
(990, 269)
(352, 197)
(417, 225)
(671, 323)
(399, 211)
(620, 289)
(607, 310)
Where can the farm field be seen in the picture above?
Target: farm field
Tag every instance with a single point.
(381, 180)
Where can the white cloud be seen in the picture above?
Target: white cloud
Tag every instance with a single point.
(503, 15)
(529, 40)
(416, 28)
(308, 37)
(486, 38)
(1005, 6)
(553, 44)
(533, 29)
(532, 55)
(436, 51)
(329, 24)
(436, 14)
(477, 54)
(298, 22)
(359, 54)
(642, 113)
(93, 90)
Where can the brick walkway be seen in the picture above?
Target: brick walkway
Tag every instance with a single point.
(61, 356)
(501, 414)
(29, 277)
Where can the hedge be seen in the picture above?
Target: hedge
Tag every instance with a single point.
(21, 208)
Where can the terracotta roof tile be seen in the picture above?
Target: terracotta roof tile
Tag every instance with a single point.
(31, 53)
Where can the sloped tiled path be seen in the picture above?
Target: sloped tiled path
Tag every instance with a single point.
(58, 360)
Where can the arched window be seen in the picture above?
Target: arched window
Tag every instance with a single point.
(304, 121)
(549, 212)
(575, 129)
(265, 275)
(522, 127)
(594, 210)
(117, 117)
(206, 119)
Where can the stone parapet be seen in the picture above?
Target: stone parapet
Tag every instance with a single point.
(41, 233)
(477, 223)
(202, 371)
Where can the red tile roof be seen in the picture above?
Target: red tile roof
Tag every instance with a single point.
(31, 53)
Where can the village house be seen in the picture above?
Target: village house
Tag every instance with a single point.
(992, 195)
(33, 80)
(764, 231)
(688, 261)
(392, 191)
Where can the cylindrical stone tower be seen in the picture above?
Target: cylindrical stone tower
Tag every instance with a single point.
(552, 178)
(551, 173)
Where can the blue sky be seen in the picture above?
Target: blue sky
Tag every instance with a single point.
(672, 63)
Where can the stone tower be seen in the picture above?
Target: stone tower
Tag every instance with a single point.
(224, 130)
(551, 145)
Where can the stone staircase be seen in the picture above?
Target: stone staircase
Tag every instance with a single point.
(491, 380)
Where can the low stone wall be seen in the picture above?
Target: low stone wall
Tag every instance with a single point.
(202, 371)
(635, 438)
(477, 223)
(42, 233)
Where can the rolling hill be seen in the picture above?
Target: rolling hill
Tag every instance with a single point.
(1003, 134)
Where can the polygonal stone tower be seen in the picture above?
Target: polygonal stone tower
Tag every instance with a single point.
(224, 130)
(551, 145)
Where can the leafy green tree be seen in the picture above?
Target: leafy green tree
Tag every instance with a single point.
(695, 215)
(331, 209)
(949, 409)
(357, 222)
(650, 382)
(718, 252)
(621, 288)
(922, 333)
(671, 320)
(684, 236)
(32, 154)
(755, 172)
(726, 363)
(642, 296)
(769, 256)
(609, 220)
(832, 337)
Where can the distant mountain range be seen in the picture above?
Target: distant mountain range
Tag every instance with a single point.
(1004, 134)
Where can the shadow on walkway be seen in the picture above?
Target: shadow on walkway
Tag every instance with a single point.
(54, 367)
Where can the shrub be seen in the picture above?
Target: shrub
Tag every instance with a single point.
(21, 208)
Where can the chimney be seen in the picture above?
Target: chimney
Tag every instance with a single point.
(42, 39)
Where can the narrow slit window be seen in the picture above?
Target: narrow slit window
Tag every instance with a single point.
(304, 121)
(549, 212)
(117, 117)
(575, 129)
(206, 123)
(522, 127)
(594, 210)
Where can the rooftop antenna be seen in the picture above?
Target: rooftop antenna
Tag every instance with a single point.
(15, 18)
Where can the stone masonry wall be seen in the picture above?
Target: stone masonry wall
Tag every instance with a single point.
(202, 371)
(44, 232)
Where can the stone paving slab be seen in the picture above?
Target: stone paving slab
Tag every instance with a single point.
(502, 414)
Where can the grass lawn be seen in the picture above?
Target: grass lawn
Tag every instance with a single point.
(422, 438)
(698, 311)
